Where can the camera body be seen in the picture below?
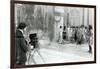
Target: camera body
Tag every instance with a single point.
(33, 40)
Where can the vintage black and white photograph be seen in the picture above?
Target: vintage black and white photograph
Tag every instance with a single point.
(47, 34)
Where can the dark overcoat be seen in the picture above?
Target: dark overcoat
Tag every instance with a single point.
(20, 47)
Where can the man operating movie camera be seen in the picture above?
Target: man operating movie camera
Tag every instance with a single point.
(34, 44)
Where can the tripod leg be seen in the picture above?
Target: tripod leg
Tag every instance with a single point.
(29, 58)
(32, 57)
(40, 56)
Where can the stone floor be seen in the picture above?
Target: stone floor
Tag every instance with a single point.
(52, 52)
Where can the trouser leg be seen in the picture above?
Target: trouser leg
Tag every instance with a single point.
(90, 49)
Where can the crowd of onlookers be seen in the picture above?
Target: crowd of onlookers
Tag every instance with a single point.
(78, 34)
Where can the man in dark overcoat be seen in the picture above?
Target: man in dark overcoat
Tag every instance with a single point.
(21, 46)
